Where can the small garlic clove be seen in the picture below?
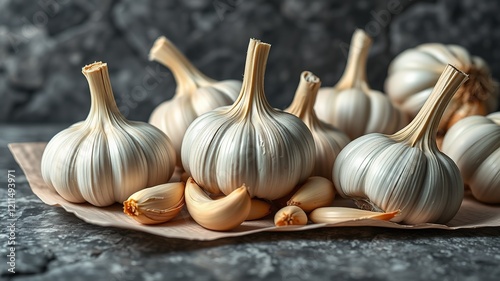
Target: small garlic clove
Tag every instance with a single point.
(156, 204)
(258, 209)
(314, 193)
(290, 215)
(342, 214)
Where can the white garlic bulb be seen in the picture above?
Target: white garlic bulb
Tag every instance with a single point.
(414, 72)
(351, 105)
(474, 144)
(251, 143)
(195, 93)
(406, 171)
(328, 139)
(106, 158)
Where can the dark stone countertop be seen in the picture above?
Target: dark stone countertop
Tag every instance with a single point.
(55, 245)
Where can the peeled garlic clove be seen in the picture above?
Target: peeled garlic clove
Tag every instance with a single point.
(314, 193)
(221, 214)
(342, 214)
(259, 209)
(290, 215)
(156, 204)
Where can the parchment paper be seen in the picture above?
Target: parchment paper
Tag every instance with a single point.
(472, 214)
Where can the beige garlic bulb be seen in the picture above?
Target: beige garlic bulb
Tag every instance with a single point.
(414, 72)
(251, 143)
(351, 105)
(474, 144)
(328, 140)
(406, 171)
(195, 93)
(106, 158)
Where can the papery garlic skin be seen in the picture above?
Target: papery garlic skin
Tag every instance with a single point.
(474, 144)
(250, 142)
(195, 93)
(106, 158)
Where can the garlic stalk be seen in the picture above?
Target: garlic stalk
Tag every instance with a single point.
(406, 171)
(351, 105)
(106, 158)
(290, 215)
(328, 140)
(343, 214)
(195, 93)
(251, 143)
(314, 193)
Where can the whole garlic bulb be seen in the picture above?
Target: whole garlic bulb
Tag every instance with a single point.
(195, 93)
(106, 158)
(414, 72)
(406, 171)
(474, 144)
(328, 140)
(251, 143)
(351, 105)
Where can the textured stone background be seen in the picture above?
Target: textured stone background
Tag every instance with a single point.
(44, 44)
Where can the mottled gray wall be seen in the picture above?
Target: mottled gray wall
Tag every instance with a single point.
(44, 44)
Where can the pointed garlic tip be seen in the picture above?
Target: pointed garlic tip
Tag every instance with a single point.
(361, 39)
(314, 193)
(290, 215)
(158, 45)
(259, 209)
(331, 215)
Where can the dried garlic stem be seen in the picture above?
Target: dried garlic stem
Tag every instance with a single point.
(355, 73)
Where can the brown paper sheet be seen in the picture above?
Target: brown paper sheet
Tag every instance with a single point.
(472, 214)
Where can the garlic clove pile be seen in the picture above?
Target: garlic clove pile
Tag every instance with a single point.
(195, 93)
(290, 215)
(106, 158)
(251, 143)
(342, 214)
(327, 139)
(316, 192)
(406, 171)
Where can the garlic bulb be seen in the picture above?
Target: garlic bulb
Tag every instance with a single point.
(414, 72)
(474, 144)
(406, 171)
(106, 158)
(328, 140)
(195, 93)
(290, 215)
(342, 214)
(249, 143)
(314, 193)
(351, 105)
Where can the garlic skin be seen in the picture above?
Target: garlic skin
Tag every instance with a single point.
(342, 214)
(413, 73)
(406, 171)
(351, 105)
(327, 139)
(195, 93)
(290, 215)
(251, 143)
(106, 158)
(474, 144)
(316, 192)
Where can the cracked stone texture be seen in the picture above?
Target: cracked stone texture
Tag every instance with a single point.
(44, 44)
(55, 245)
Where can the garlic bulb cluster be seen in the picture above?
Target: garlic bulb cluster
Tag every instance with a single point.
(106, 158)
(414, 72)
(474, 144)
(195, 93)
(251, 143)
(406, 171)
(328, 140)
(351, 105)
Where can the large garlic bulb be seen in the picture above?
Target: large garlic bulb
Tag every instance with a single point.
(414, 72)
(268, 150)
(195, 93)
(474, 144)
(406, 171)
(328, 140)
(106, 158)
(351, 105)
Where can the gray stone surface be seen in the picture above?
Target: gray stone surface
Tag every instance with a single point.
(55, 245)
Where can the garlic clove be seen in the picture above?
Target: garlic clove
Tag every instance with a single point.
(342, 214)
(222, 214)
(314, 193)
(258, 209)
(290, 215)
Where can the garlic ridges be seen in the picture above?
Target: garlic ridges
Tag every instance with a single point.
(106, 158)
(474, 144)
(156, 204)
(406, 171)
(328, 140)
(250, 142)
(290, 215)
(351, 105)
(314, 193)
(342, 214)
(195, 93)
